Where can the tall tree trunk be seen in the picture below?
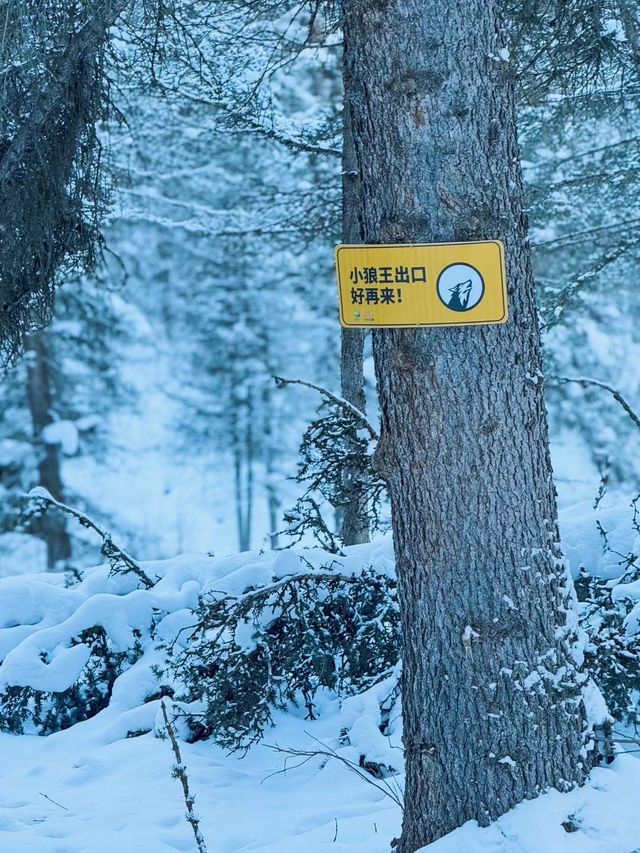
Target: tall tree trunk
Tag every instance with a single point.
(491, 698)
(249, 476)
(243, 462)
(355, 523)
(631, 26)
(52, 528)
(271, 488)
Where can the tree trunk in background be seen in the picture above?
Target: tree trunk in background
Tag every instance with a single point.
(271, 487)
(631, 26)
(491, 698)
(244, 453)
(51, 527)
(355, 523)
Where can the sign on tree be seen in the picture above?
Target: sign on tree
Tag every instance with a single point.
(440, 284)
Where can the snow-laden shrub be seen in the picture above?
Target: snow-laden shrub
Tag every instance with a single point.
(50, 711)
(234, 639)
(278, 644)
(608, 588)
(245, 635)
(63, 647)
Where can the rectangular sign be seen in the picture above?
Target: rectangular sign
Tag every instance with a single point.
(431, 284)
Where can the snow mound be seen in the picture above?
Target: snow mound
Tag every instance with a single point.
(70, 649)
(601, 817)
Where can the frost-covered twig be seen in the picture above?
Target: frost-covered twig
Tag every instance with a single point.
(585, 382)
(180, 773)
(339, 401)
(109, 549)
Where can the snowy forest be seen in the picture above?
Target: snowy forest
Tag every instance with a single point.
(272, 579)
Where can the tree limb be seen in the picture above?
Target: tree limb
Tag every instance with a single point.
(339, 401)
(109, 548)
(586, 382)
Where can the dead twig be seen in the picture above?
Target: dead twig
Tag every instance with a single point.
(391, 791)
(339, 401)
(179, 772)
(109, 549)
(585, 382)
(47, 797)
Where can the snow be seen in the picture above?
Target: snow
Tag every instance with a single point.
(117, 793)
(96, 787)
(596, 707)
(583, 545)
(64, 434)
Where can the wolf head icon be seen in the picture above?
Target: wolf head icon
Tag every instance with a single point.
(460, 294)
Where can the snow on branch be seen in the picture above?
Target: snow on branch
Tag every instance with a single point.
(585, 382)
(119, 559)
(339, 401)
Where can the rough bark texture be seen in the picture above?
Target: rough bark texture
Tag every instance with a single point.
(355, 525)
(491, 700)
(51, 527)
(631, 25)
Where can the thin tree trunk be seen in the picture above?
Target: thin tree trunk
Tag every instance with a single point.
(631, 26)
(243, 462)
(237, 484)
(355, 523)
(491, 699)
(51, 527)
(249, 476)
(273, 502)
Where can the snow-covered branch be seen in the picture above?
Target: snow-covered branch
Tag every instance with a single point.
(339, 401)
(109, 549)
(585, 382)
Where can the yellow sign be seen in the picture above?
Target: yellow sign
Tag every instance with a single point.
(435, 284)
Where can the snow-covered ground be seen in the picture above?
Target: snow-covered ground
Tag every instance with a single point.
(115, 793)
(94, 788)
(118, 794)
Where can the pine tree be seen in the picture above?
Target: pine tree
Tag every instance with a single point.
(491, 696)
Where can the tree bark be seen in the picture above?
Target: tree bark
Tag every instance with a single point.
(491, 696)
(631, 26)
(51, 527)
(355, 523)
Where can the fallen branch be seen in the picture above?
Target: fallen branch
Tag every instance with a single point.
(109, 549)
(278, 583)
(305, 755)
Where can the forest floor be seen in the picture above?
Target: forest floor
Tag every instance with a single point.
(89, 790)
(92, 788)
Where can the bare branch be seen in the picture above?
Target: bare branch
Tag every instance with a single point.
(339, 401)
(109, 548)
(327, 752)
(180, 773)
(585, 383)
